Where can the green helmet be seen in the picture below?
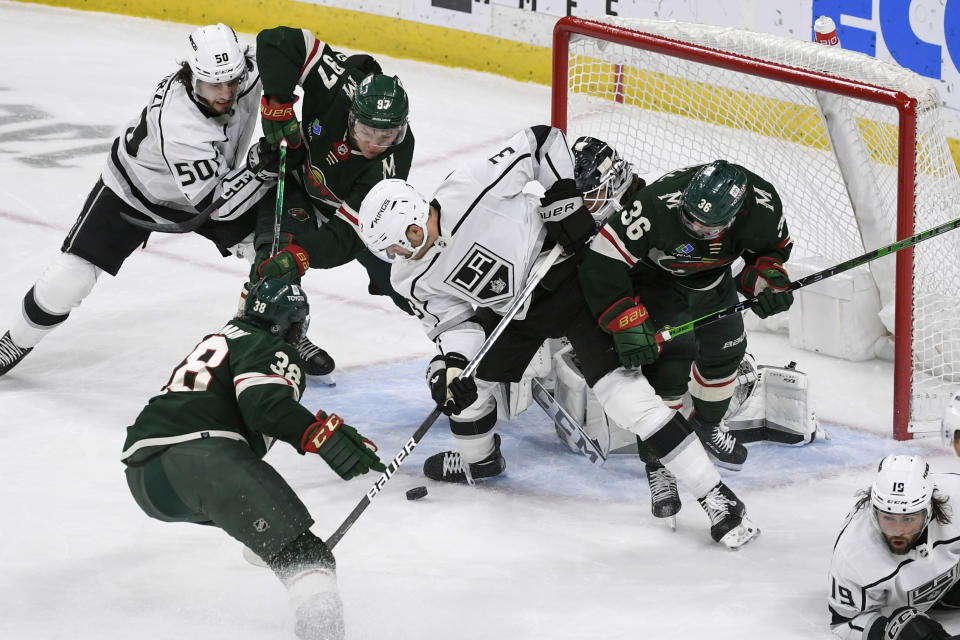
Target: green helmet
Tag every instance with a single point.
(380, 102)
(278, 307)
(713, 198)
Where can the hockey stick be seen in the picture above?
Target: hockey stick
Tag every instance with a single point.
(666, 333)
(421, 431)
(569, 430)
(186, 226)
(281, 178)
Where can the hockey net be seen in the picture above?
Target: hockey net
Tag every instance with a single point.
(855, 147)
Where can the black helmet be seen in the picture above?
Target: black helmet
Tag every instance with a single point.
(601, 174)
(278, 307)
(713, 198)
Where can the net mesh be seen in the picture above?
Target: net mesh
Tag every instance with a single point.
(662, 112)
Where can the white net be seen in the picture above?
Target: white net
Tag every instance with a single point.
(663, 112)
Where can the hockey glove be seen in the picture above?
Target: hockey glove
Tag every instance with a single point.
(346, 451)
(768, 281)
(263, 160)
(364, 62)
(568, 222)
(451, 392)
(633, 337)
(279, 120)
(907, 623)
(289, 263)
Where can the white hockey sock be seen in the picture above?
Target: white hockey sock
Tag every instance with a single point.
(476, 448)
(63, 286)
(315, 599)
(693, 469)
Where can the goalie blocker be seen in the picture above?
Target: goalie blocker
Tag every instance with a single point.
(770, 403)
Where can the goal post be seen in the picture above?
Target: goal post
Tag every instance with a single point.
(854, 145)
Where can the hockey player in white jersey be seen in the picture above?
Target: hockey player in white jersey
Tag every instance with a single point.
(184, 155)
(461, 259)
(897, 555)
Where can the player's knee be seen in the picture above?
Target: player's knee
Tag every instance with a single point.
(303, 552)
(64, 285)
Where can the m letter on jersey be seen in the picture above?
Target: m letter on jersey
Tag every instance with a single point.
(483, 276)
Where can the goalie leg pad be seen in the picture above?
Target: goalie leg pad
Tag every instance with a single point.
(66, 282)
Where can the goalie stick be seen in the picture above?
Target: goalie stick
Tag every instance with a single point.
(569, 430)
(421, 431)
(668, 332)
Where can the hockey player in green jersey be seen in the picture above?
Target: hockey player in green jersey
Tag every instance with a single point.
(194, 454)
(663, 257)
(353, 133)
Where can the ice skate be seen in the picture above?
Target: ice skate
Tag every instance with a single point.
(728, 522)
(318, 362)
(448, 466)
(10, 353)
(320, 618)
(721, 446)
(664, 497)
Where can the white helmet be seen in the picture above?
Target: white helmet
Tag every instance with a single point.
(950, 423)
(214, 54)
(902, 485)
(389, 208)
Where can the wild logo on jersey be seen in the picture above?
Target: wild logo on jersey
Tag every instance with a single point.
(930, 592)
(483, 276)
(316, 184)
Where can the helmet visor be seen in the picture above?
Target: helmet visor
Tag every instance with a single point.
(901, 529)
(375, 137)
(700, 230)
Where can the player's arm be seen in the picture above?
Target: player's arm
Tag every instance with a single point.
(608, 290)
(768, 247)
(287, 57)
(268, 397)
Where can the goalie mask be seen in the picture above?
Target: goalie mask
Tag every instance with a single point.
(601, 174)
(712, 199)
(901, 498)
(387, 214)
(217, 64)
(278, 307)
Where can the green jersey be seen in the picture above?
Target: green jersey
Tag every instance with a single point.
(240, 383)
(339, 175)
(648, 234)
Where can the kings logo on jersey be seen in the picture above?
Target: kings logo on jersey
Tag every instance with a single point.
(930, 592)
(483, 276)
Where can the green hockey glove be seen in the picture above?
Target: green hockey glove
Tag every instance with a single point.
(768, 281)
(633, 337)
(289, 263)
(346, 451)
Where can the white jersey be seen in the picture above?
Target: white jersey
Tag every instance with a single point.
(174, 160)
(491, 236)
(867, 580)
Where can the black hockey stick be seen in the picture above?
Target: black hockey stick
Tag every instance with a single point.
(568, 429)
(421, 431)
(186, 226)
(666, 333)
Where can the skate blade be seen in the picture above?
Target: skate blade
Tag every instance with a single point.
(673, 523)
(740, 535)
(328, 379)
(252, 557)
(729, 466)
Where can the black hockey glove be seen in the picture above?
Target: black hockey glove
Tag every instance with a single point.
(568, 222)
(451, 392)
(907, 623)
(364, 62)
(263, 160)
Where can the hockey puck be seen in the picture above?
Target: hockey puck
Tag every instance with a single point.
(416, 493)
